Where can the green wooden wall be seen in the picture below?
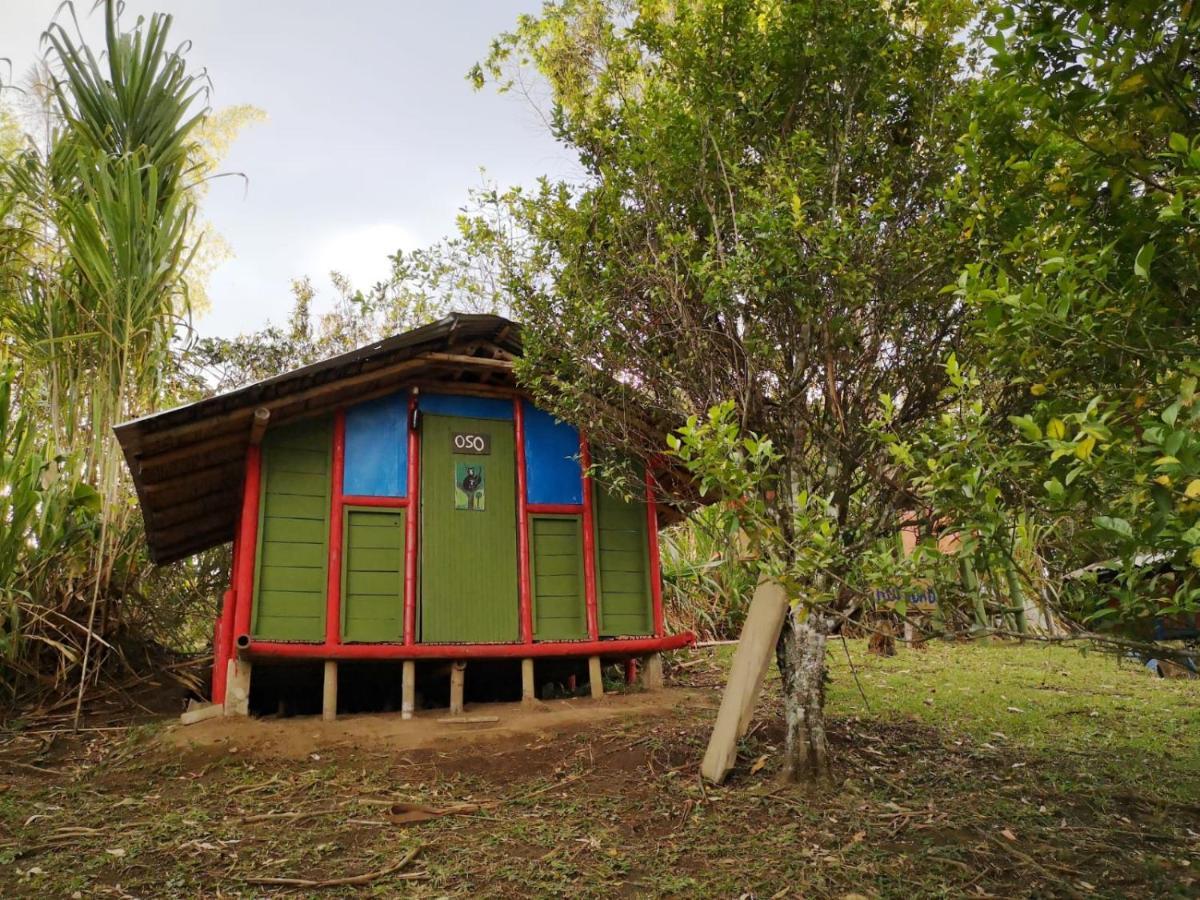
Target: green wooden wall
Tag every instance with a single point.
(556, 573)
(622, 566)
(293, 533)
(373, 575)
(468, 557)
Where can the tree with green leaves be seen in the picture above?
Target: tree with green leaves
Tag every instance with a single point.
(1078, 387)
(755, 251)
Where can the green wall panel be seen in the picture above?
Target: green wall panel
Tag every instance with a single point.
(293, 533)
(556, 573)
(373, 575)
(468, 556)
(622, 566)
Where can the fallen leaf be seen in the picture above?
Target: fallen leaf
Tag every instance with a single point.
(118, 852)
(1007, 832)
(758, 764)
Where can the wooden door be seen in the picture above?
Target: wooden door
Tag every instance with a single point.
(373, 575)
(468, 530)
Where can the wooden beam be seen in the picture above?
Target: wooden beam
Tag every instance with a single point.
(457, 684)
(329, 691)
(595, 677)
(470, 361)
(528, 689)
(652, 672)
(751, 659)
(258, 425)
(408, 689)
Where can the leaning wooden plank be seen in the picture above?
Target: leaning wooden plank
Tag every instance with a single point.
(750, 663)
(202, 712)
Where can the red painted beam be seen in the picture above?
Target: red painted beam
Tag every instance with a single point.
(614, 647)
(411, 533)
(589, 544)
(524, 590)
(223, 646)
(333, 584)
(382, 502)
(555, 509)
(247, 540)
(656, 598)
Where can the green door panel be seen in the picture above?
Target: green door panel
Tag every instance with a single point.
(290, 576)
(373, 575)
(622, 566)
(468, 553)
(556, 573)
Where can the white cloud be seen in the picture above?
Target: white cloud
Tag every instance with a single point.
(360, 253)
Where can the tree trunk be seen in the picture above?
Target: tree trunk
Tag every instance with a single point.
(801, 656)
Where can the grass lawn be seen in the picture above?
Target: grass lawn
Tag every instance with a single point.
(975, 770)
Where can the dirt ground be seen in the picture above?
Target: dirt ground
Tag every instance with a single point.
(585, 798)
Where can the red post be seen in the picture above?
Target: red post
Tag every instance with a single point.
(223, 645)
(411, 532)
(525, 592)
(247, 540)
(333, 584)
(655, 563)
(589, 544)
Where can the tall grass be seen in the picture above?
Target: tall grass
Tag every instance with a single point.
(94, 246)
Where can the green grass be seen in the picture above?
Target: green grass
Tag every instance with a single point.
(942, 791)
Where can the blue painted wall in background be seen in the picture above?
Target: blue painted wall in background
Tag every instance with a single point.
(474, 407)
(377, 448)
(552, 471)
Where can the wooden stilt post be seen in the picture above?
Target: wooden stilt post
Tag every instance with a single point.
(751, 659)
(457, 680)
(528, 693)
(329, 696)
(237, 687)
(652, 672)
(596, 677)
(631, 671)
(408, 689)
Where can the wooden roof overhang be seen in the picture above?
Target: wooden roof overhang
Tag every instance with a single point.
(188, 463)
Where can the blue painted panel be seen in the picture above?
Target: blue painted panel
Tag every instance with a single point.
(377, 448)
(471, 407)
(552, 472)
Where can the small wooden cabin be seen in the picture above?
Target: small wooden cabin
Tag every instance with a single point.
(405, 501)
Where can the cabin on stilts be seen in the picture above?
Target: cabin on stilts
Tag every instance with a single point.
(406, 516)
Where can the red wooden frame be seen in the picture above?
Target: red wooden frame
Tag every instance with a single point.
(555, 509)
(247, 541)
(411, 533)
(614, 647)
(589, 543)
(524, 590)
(333, 584)
(655, 563)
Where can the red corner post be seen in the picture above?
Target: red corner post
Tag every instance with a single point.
(410, 525)
(247, 541)
(589, 544)
(655, 564)
(333, 585)
(526, 594)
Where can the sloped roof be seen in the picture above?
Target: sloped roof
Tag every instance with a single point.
(187, 463)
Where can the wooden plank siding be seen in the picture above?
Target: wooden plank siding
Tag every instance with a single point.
(622, 566)
(293, 534)
(373, 575)
(556, 568)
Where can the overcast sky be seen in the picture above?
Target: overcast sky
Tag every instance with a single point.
(373, 134)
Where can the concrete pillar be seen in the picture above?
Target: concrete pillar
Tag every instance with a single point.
(528, 691)
(237, 687)
(457, 682)
(329, 696)
(652, 673)
(596, 677)
(408, 689)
